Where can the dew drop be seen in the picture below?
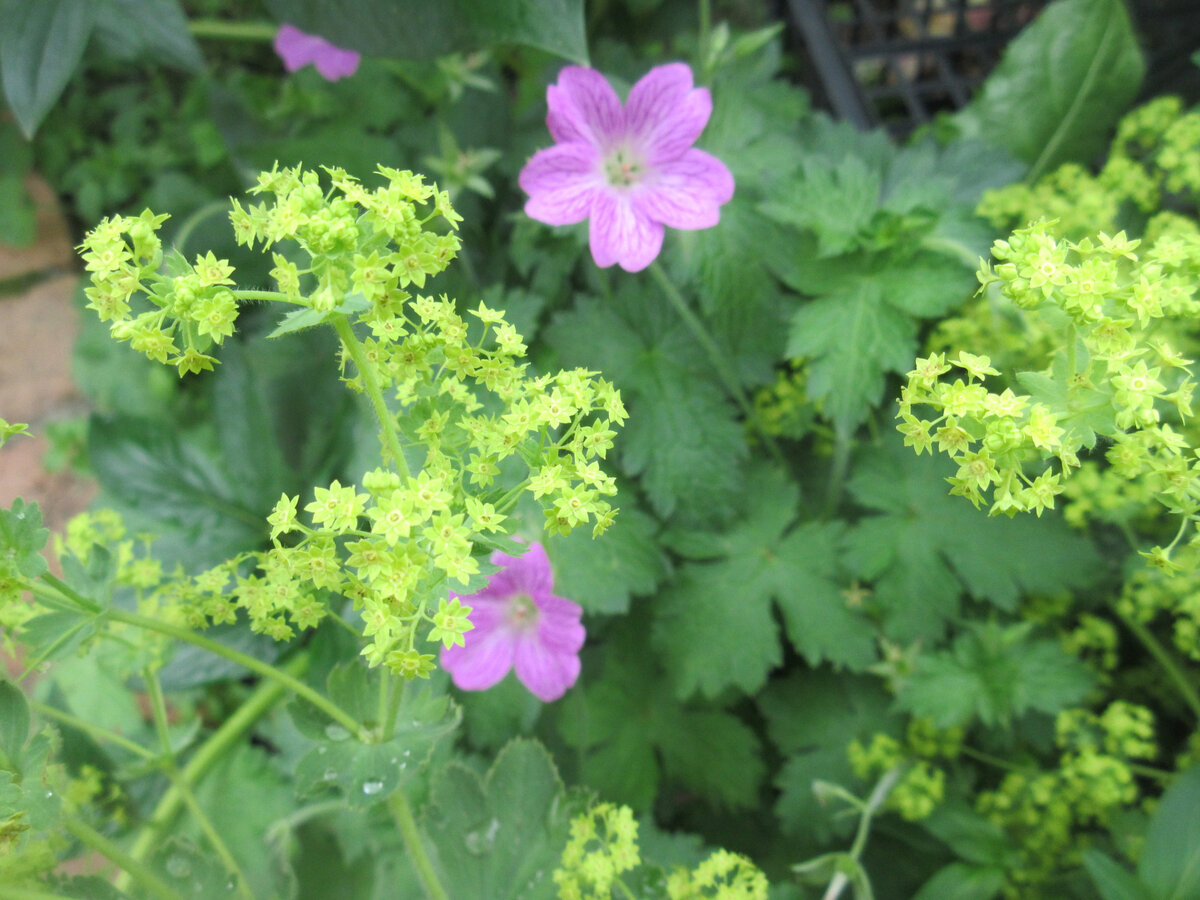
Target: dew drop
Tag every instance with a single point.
(178, 867)
(482, 841)
(336, 732)
(330, 775)
(370, 788)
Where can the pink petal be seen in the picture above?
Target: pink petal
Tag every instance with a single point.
(559, 625)
(296, 48)
(334, 62)
(583, 107)
(561, 182)
(529, 573)
(483, 662)
(545, 671)
(688, 192)
(621, 233)
(666, 113)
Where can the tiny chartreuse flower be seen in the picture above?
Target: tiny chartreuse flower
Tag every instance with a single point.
(298, 50)
(629, 170)
(518, 623)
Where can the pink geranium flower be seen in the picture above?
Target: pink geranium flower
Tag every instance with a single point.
(628, 169)
(298, 50)
(519, 624)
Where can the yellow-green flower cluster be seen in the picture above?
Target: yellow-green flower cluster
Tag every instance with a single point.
(602, 845)
(1120, 310)
(1047, 814)
(1168, 591)
(172, 316)
(723, 876)
(1156, 152)
(923, 785)
(465, 426)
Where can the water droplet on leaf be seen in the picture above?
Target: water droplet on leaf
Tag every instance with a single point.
(336, 732)
(370, 788)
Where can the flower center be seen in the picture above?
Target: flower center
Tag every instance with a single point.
(522, 611)
(623, 167)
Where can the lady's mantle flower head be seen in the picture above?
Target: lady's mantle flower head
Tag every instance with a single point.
(519, 623)
(298, 50)
(629, 169)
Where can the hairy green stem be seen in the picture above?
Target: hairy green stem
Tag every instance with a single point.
(131, 867)
(1187, 690)
(407, 823)
(93, 731)
(238, 31)
(267, 670)
(716, 357)
(158, 705)
(265, 696)
(387, 421)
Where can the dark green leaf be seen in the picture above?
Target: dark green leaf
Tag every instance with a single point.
(628, 720)
(40, 47)
(928, 547)
(1061, 86)
(1170, 862)
(1113, 880)
(963, 882)
(242, 415)
(56, 634)
(850, 341)
(715, 625)
(412, 29)
(812, 717)
(18, 225)
(834, 199)
(971, 836)
(994, 674)
(14, 720)
(147, 29)
(601, 574)
(501, 836)
(171, 486)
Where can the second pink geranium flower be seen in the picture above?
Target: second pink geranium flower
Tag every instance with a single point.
(630, 170)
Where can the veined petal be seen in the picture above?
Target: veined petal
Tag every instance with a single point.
(688, 192)
(666, 113)
(561, 182)
(529, 573)
(621, 233)
(483, 662)
(582, 106)
(547, 672)
(559, 626)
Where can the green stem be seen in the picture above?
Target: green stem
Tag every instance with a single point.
(267, 670)
(387, 421)
(275, 296)
(238, 31)
(716, 357)
(131, 867)
(837, 474)
(158, 705)
(1186, 689)
(70, 593)
(872, 806)
(93, 731)
(20, 893)
(265, 696)
(403, 814)
(624, 890)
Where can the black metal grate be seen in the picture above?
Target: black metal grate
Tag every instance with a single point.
(898, 63)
